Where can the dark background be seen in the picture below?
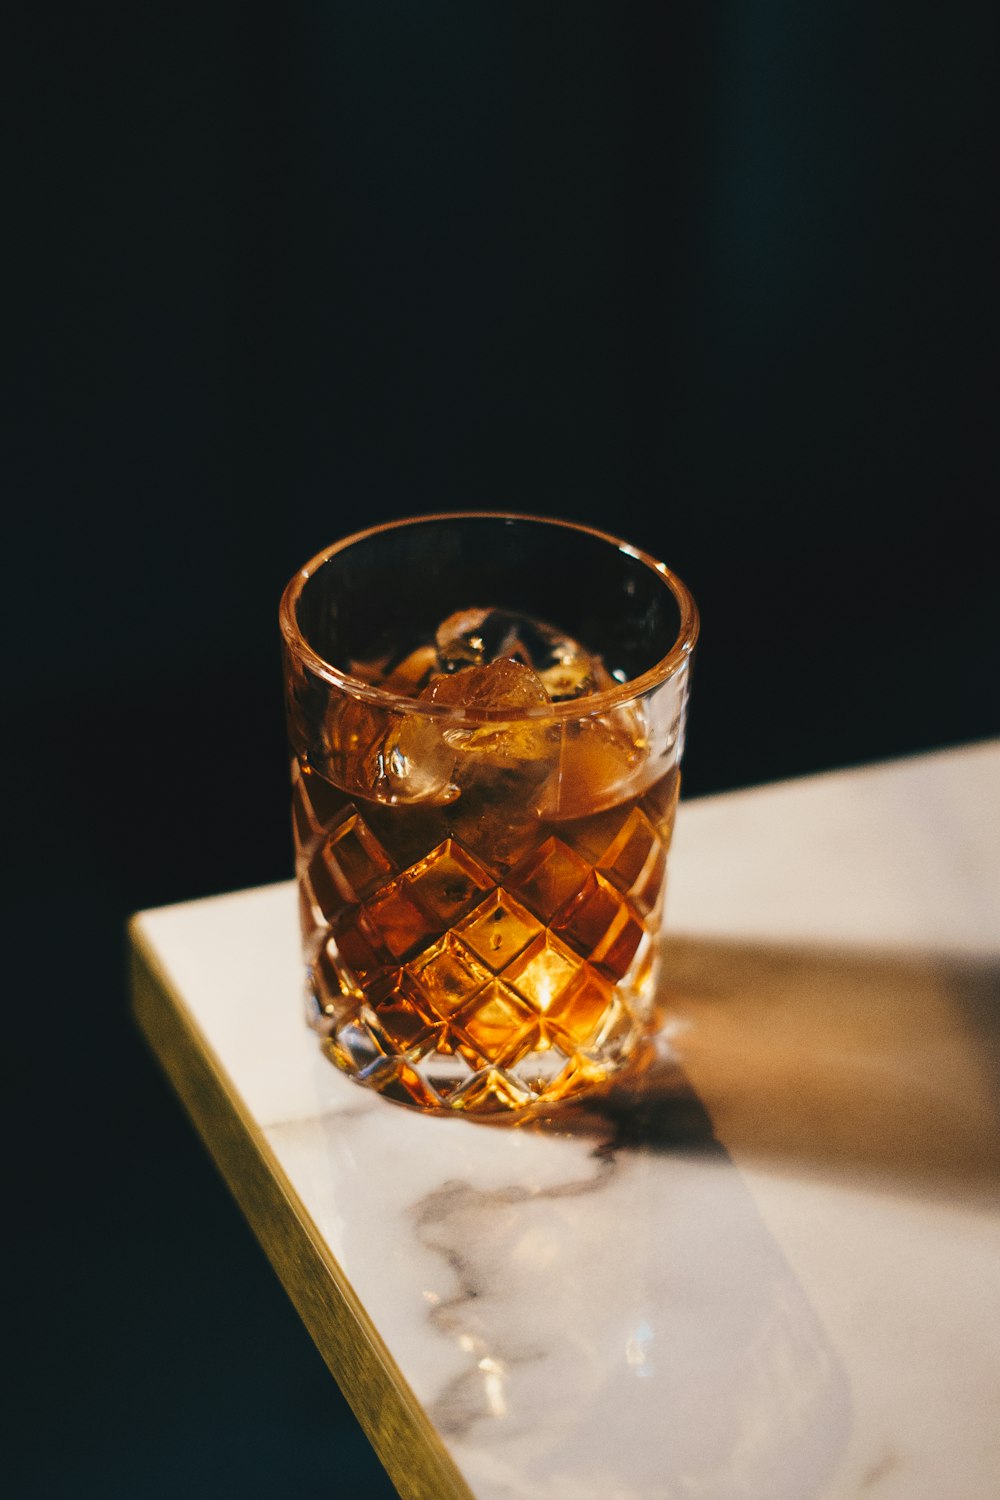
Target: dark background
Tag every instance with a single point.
(720, 278)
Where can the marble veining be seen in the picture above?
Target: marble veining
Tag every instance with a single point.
(736, 1383)
(595, 1283)
(771, 1267)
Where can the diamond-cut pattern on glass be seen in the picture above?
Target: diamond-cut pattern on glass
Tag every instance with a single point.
(646, 892)
(600, 925)
(444, 977)
(448, 883)
(576, 1014)
(323, 805)
(628, 851)
(403, 926)
(448, 986)
(311, 918)
(491, 1092)
(660, 805)
(333, 986)
(354, 1046)
(615, 1035)
(497, 1025)
(355, 859)
(536, 1071)
(447, 974)
(498, 930)
(401, 1014)
(395, 1078)
(543, 971)
(548, 878)
(305, 825)
(443, 1073)
(358, 944)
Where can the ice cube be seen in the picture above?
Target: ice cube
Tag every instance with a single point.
(410, 676)
(371, 671)
(414, 763)
(476, 637)
(407, 674)
(420, 759)
(499, 685)
(499, 765)
(570, 677)
(603, 760)
(490, 772)
(473, 637)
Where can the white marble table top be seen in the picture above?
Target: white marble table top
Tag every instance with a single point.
(773, 1270)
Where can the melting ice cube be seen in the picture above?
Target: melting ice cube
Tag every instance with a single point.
(491, 660)
(406, 675)
(414, 763)
(603, 760)
(497, 686)
(422, 759)
(503, 683)
(476, 637)
(498, 764)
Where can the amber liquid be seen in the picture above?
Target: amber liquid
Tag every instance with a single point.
(485, 955)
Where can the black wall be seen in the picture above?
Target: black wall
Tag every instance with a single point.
(719, 278)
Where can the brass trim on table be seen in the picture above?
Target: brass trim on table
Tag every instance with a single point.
(397, 1426)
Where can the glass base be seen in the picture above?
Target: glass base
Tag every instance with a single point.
(530, 1072)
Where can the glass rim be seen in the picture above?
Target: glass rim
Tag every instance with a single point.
(571, 708)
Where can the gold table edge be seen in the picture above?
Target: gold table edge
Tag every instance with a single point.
(399, 1429)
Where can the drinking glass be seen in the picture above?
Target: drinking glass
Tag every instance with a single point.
(486, 715)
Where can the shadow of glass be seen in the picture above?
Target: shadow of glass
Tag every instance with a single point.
(637, 1286)
(827, 1060)
(650, 1107)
